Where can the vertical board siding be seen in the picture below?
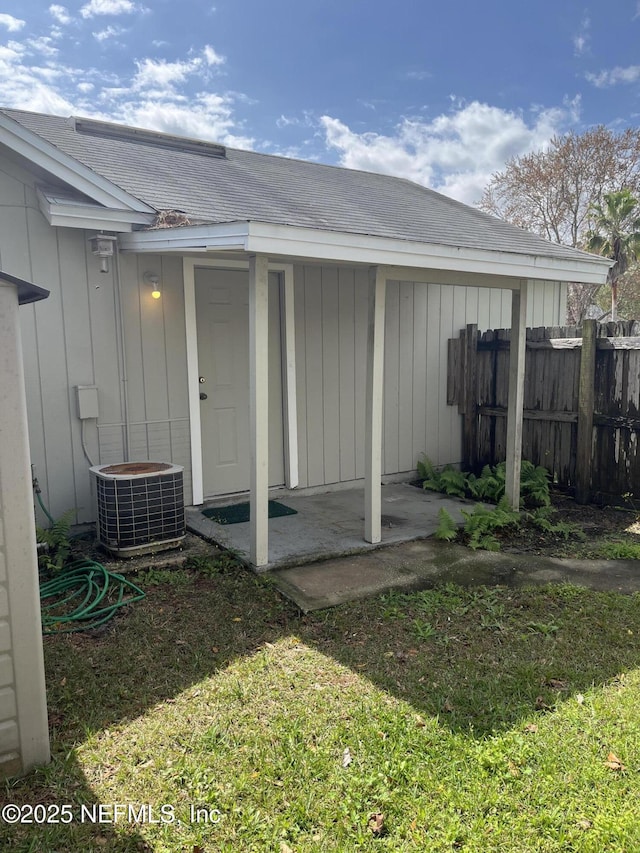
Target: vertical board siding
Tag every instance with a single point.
(361, 320)
(419, 374)
(405, 378)
(448, 445)
(391, 406)
(314, 368)
(433, 358)
(331, 311)
(347, 383)
(331, 374)
(56, 395)
(299, 307)
(73, 338)
(175, 340)
(130, 301)
(79, 356)
(153, 345)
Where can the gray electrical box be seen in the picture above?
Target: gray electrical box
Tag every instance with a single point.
(87, 401)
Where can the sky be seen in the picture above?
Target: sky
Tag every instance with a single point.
(441, 93)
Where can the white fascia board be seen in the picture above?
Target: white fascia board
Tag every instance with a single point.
(67, 214)
(45, 155)
(228, 235)
(294, 241)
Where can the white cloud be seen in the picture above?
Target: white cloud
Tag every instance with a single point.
(159, 73)
(43, 45)
(106, 7)
(418, 75)
(157, 94)
(160, 76)
(455, 153)
(582, 37)
(11, 23)
(108, 33)
(305, 120)
(60, 13)
(613, 76)
(211, 57)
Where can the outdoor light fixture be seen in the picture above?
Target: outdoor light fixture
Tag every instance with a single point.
(153, 280)
(102, 247)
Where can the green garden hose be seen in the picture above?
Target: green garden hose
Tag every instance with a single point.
(83, 596)
(42, 506)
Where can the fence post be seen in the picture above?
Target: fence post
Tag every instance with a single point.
(469, 392)
(517, 360)
(584, 449)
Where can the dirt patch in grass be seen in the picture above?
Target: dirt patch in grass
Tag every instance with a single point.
(600, 532)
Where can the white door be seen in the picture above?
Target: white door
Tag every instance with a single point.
(222, 310)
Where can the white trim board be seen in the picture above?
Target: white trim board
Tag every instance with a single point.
(294, 242)
(76, 214)
(290, 417)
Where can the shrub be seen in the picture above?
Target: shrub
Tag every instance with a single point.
(490, 485)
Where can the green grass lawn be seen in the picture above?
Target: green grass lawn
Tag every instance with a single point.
(453, 719)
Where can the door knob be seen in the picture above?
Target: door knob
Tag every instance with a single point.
(203, 396)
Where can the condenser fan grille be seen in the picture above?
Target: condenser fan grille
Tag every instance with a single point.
(139, 511)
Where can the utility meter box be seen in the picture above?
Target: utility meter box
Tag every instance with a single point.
(87, 401)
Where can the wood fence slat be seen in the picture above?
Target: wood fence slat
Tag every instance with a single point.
(586, 394)
(469, 448)
(581, 404)
(453, 372)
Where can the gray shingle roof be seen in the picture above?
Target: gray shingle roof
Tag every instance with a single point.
(246, 185)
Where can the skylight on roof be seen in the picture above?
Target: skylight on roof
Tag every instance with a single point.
(141, 136)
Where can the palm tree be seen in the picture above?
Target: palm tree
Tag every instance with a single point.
(615, 233)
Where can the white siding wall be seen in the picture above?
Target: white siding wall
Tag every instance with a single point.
(156, 360)
(331, 330)
(74, 338)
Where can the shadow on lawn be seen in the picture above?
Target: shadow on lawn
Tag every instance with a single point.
(48, 829)
(480, 660)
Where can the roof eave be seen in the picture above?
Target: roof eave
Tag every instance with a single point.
(65, 168)
(69, 214)
(342, 247)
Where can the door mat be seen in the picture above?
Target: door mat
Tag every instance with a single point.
(238, 513)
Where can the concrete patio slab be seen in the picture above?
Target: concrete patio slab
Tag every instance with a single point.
(331, 524)
(423, 564)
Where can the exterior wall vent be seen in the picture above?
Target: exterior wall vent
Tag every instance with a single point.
(140, 506)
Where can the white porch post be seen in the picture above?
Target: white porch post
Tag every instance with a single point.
(259, 407)
(517, 353)
(373, 416)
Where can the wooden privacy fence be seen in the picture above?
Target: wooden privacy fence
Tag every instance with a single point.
(581, 403)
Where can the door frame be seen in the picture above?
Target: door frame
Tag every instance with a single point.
(288, 359)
